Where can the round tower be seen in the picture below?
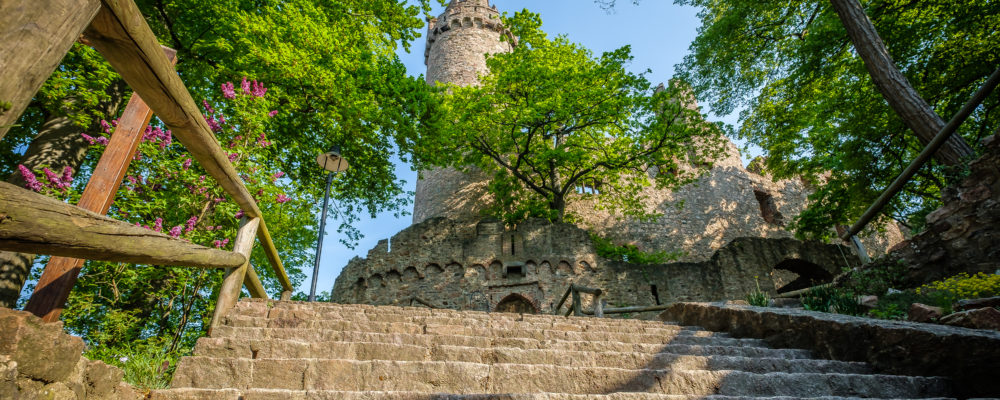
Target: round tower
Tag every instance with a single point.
(457, 43)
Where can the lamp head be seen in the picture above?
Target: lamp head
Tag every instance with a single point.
(332, 160)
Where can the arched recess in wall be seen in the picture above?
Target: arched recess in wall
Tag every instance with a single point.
(433, 271)
(454, 270)
(809, 274)
(475, 273)
(358, 291)
(530, 268)
(393, 279)
(516, 303)
(564, 268)
(496, 270)
(375, 288)
(410, 275)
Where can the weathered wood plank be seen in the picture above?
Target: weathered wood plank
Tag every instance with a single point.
(56, 282)
(253, 284)
(34, 37)
(121, 34)
(33, 223)
(272, 257)
(232, 283)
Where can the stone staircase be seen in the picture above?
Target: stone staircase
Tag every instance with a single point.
(291, 350)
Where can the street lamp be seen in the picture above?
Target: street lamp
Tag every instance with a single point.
(333, 162)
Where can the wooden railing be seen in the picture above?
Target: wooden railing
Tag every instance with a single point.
(33, 223)
(599, 310)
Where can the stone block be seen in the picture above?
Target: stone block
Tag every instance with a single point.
(101, 379)
(924, 313)
(980, 318)
(8, 378)
(972, 304)
(42, 350)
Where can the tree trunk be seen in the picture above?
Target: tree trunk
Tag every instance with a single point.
(58, 145)
(915, 112)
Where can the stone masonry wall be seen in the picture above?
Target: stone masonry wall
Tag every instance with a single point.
(476, 265)
(964, 234)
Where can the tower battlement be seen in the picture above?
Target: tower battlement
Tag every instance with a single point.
(459, 37)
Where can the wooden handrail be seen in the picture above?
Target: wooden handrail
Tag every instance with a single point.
(576, 308)
(229, 293)
(34, 223)
(634, 309)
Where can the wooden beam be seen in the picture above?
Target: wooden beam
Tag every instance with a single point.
(121, 34)
(272, 257)
(60, 273)
(232, 283)
(33, 223)
(34, 37)
(253, 284)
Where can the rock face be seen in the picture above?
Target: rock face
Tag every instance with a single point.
(39, 360)
(962, 235)
(969, 357)
(467, 266)
(924, 313)
(289, 350)
(980, 318)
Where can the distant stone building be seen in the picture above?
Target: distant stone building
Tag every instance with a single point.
(729, 224)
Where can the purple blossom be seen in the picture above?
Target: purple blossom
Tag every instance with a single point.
(221, 243)
(88, 138)
(105, 126)
(158, 224)
(31, 182)
(218, 199)
(212, 124)
(233, 157)
(67, 176)
(282, 199)
(208, 107)
(272, 113)
(186, 164)
(239, 214)
(258, 89)
(176, 231)
(189, 225)
(278, 175)
(102, 141)
(114, 122)
(228, 91)
(245, 85)
(54, 179)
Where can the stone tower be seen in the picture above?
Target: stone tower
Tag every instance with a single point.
(457, 42)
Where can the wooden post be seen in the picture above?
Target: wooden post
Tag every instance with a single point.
(232, 284)
(61, 273)
(598, 305)
(34, 37)
(577, 307)
(253, 284)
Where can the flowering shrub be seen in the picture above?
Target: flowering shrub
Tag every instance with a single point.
(963, 286)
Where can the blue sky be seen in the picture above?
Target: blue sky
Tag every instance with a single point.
(658, 31)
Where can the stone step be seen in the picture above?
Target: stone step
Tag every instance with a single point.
(470, 378)
(282, 394)
(266, 349)
(492, 331)
(691, 345)
(555, 323)
(258, 307)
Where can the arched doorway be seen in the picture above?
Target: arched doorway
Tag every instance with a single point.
(516, 303)
(809, 274)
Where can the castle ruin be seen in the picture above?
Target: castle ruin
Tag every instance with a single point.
(728, 225)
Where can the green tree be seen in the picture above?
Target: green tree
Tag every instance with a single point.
(551, 118)
(812, 106)
(331, 70)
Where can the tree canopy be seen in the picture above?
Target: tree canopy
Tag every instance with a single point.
(551, 118)
(809, 103)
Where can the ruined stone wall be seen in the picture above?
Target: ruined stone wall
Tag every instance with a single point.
(476, 265)
(964, 234)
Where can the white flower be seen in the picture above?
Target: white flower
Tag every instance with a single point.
(123, 359)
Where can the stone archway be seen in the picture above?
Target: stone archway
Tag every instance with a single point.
(516, 303)
(809, 274)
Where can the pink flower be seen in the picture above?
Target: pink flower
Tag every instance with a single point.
(212, 124)
(176, 231)
(282, 199)
(233, 157)
(31, 182)
(54, 180)
(88, 138)
(158, 225)
(272, 113)
(186, 164)
(189, 225)
(208, 107)
(221, 243)
(228, 91)
(278, 175)
(245, 86)
(102, 141)
(258, 89)
(67, 176)
(239, 214)
(105, 126)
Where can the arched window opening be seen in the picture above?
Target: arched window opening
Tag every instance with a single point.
(768, 208)
(809, 274)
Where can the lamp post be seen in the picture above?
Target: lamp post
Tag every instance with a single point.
(333, 162)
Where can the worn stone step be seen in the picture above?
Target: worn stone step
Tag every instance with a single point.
(556, 323)
(492, 331)
(264, 349)
(469, 378)
(691, 345)
(258, 307)
(282, 394)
